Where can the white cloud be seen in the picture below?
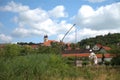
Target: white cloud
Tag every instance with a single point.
(5, 39)
(36, 21)
(94, 1)
(58, 11)
(85, 33)
(105, 17)
(21, 32)
(12, 6)
(101, 21)
(86, 11)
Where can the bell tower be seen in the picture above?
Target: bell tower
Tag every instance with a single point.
(45, 38)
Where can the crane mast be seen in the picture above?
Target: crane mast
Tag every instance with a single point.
(67, 32)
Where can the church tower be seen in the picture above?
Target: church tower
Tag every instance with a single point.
(45, 38)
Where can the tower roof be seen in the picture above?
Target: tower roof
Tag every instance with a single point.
(45, 36)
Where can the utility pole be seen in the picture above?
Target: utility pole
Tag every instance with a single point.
(75, 35)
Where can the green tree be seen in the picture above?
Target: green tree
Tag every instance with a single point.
(73, 45)
(56, 48)
(43, 50)
(26, 49)
(116, 52)
(11, 50)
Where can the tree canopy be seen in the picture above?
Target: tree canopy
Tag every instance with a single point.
(107, 40)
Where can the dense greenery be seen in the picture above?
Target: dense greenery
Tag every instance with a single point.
(12, 50)
(51, 67)
(116, 52)
(109, 40)
(33, 67)
(24, 63)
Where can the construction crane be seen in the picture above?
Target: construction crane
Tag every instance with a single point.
(67, 32)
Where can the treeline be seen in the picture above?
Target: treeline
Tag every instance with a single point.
(107, 40)
(45, 63)
(11, 50)
(26, 43)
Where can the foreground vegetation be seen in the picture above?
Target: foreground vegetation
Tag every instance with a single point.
(52, 67)
(22, 62)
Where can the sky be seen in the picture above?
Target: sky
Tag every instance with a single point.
(30, 20)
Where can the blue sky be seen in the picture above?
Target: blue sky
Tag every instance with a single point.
(30, 20)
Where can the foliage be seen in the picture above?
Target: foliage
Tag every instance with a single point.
(51, 67)
(116, 52)
(73, 46)
(45, 63)
(26, 49)
(109, 39)
(34, 67)
(11, 50)
(55, 48)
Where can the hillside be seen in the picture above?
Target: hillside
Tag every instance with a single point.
(109, 40)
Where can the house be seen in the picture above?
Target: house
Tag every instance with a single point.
(36, 45)
(2, 45)
(107, 56)
(101, 48)
(48, 42)
(84, 53)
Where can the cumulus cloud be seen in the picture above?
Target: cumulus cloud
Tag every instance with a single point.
(92, 22)
(22, 32)
(58, 11)
(36, 21)
(12, 6)
(105, 17)
(5, 39)
(85, 33)
(94, 1)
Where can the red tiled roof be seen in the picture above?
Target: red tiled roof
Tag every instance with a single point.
(86, 55)
(106, 55)
(48, 43)
(34, 46)
(99, 45)
(76, 55)
(2, 46)
(104, 47)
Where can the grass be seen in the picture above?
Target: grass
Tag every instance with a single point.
(52, 67)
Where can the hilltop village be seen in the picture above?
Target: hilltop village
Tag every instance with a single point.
(53, 60)
(71, 49)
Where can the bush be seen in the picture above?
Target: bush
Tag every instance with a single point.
(11, 50)
(115, 60)
(34, 67)
(107, 63)
(84, 63)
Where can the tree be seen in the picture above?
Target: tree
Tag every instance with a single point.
(56, 48)
(11, 50)
(116, 52)
(26, 49)
(73, 45)
(109, 39)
